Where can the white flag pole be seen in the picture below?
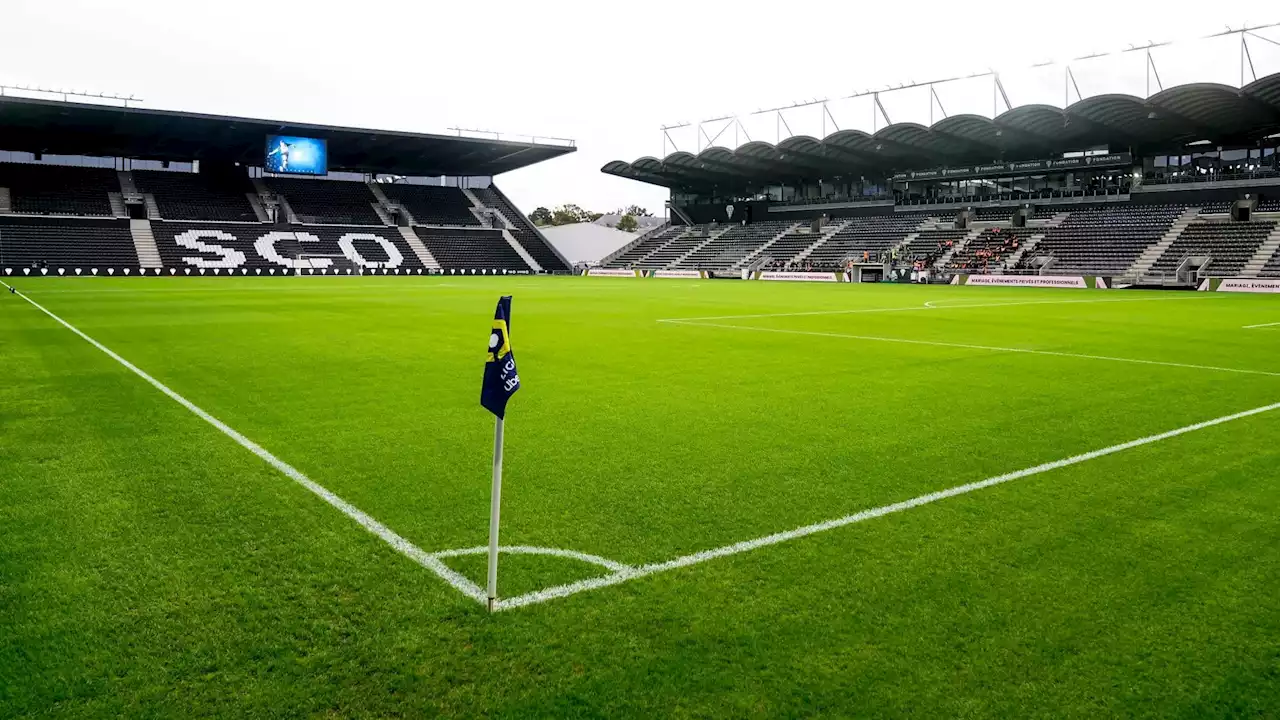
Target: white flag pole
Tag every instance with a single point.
(495, 509)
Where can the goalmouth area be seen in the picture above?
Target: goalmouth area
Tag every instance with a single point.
(228, 496)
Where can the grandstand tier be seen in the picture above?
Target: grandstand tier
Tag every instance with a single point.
(36, 243)
(432, 204)
(471, 249)
(1227, 245)
(57, 190)
(524, 231)
(328, 202)
(196, 196)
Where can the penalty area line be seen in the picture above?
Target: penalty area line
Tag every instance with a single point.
(624, 574)
(386, 534)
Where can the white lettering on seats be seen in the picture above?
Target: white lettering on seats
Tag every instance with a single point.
(347, 243)
(266, 247)
(231, 258)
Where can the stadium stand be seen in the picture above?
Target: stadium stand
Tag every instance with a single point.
(1220, 207)
(932, 244)
(329, 202)
(679, 247)
(523, 230)
(1229, 244)
(470, 249)
(987, 251)
(648, 245)
(192, 196)
(243, 249)
(732, 246)
(1272, 268)
(783, 252)
(1269, 205)
(872, 235)
(59, 190)
(995, 213)
(66, 243)
(432, 204)
(1103, 241)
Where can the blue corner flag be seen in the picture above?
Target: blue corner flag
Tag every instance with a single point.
(500, 378)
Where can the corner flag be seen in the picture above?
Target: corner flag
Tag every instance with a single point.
(500, 382)
(500, 378)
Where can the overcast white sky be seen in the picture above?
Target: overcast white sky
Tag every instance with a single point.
(607, 74)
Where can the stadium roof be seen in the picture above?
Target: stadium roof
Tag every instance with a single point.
(63, 128)
(1182, 114)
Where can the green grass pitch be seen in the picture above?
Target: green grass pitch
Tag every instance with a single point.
(152, 567)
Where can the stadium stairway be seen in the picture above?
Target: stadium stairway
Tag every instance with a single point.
(269, 199)
(117, 205)
(1033, 240)
(1265, 252)
(711, 237)
(746, 260)
(381, 211)
(964, 243)
(827, 233)
(477, 207)
(144, 243)
(127, 186)
(415, 244)
(1148, 258)
(521, 251)
(6, 202)
(260, 212)
(640, 247)
(529, 236)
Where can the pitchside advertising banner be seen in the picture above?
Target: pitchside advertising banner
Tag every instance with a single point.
(680, 274)
(1016, 168)
(802, 276)
(613, 272)
(1077, 282)
(1246, 285)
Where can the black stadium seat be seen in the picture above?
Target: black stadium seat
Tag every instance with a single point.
(432, 204)
(192, 196)
(59, 190)
(471, 249)
(332, 202)
(523, 231)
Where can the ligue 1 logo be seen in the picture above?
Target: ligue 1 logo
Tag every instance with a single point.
(728, 211)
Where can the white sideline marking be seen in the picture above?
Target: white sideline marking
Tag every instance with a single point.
(929, 306)
(624, 575)
(967, 346)
(1251, 327)
(403, 546)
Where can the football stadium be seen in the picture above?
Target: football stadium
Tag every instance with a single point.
(854, 433)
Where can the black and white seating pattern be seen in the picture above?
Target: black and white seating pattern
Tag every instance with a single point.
(238, 249)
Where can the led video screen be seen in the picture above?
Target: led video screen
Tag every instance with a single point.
(296, 155)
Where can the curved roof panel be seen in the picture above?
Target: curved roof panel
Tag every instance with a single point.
(1198, 111)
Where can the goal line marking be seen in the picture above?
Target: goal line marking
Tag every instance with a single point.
(968, 346)
(389, 536)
